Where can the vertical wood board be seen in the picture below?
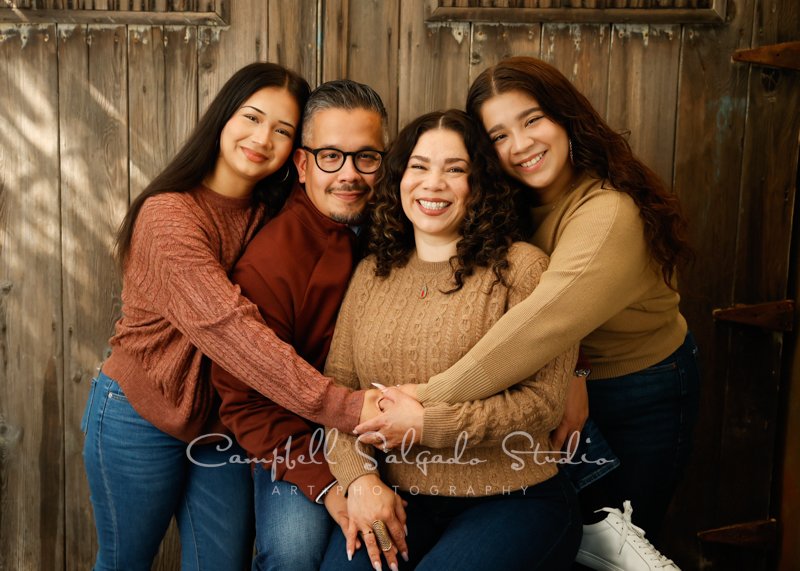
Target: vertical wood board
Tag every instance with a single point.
(581, 53)
(434, 63)
(642, 93)
(293, 37)
(162, 75)
(491, 43)
(711, 115)
(361, 42)
(221, 52)
(31, 368)
(94, 188)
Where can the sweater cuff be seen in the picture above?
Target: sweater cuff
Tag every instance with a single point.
(450, 386)
(341, 408)
(439, 428)
(350, 467)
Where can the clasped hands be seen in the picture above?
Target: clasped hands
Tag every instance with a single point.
(391, 417)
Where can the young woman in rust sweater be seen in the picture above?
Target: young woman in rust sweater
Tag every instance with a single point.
(178, 242)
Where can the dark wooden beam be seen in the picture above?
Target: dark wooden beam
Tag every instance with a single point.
(755, 534)
(785, 55)
(775, 316)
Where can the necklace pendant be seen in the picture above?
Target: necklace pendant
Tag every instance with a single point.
(423, 293)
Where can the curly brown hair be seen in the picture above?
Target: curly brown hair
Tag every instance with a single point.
(490, 224)
(596, 148)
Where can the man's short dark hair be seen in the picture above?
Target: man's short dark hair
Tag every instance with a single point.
(343, 94)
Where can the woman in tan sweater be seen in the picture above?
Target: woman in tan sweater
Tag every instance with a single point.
(615, 236)
(482, 491)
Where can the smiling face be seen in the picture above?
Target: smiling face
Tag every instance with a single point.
(435, 187)
(532, 148)
(342, 195)
(256, 141)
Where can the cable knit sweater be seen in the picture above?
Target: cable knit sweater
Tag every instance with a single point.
(601, 287)
(402, 329)
(179, 307)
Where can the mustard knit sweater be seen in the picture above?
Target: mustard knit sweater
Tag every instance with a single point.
(402, 329)
(601, 288)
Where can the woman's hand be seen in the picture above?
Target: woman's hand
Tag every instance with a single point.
(576, 411)
(336, 504)
(370, 407)
(401, 418)
(370, 500)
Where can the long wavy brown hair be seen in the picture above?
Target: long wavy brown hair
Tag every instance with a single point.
(198, 155)
(490, 225)
(596, 148)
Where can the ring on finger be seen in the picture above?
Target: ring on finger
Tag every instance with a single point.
(382, 535)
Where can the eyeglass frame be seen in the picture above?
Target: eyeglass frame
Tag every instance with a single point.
(345, 154)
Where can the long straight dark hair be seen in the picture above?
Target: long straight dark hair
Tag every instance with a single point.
(596, 148)
(198, 156)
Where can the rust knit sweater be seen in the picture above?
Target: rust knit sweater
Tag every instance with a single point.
(180, 309)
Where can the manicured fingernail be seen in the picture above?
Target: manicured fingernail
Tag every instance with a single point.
(379, 386)
(394, 567)
(355, 432)
(377, 566)
(349, 555)
(405, 527)
(404, 555)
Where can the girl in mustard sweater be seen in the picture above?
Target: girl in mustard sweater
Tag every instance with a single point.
(615, 236)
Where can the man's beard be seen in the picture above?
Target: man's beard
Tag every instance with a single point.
(354, 218)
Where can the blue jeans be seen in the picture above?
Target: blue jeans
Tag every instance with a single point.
(139, 477)
(292, 532)
(647, 418)
(539, 528)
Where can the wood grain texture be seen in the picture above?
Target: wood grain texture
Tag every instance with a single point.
(581, 53)
(712, 102)
(434, 63)
(642, 96)
(766, 211)
(361, 42)
(221, 52)
(31, 367)
(293, 37)
(162, 74)
(492, 43)
(93, 145)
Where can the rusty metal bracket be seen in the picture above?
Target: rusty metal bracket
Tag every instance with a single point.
(774, 316)
(785, 55)
(761, 534)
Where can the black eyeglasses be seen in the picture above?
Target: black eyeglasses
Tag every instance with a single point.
(330, 159)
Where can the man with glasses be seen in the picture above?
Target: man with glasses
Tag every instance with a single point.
(296, 270)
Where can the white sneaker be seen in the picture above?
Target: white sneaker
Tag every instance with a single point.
(615, 544)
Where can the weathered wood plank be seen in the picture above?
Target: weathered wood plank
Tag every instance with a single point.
(162, 73)
(641, 96)
(361, 42)
(31, 368)
(581, 52)
(766, 211)
(434, 63)
(712, 101)
(222, 52)
(492, 43)
(293, 37)
(93, 144)
(111, 17)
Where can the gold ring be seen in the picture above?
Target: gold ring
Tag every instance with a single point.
(382, 535)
